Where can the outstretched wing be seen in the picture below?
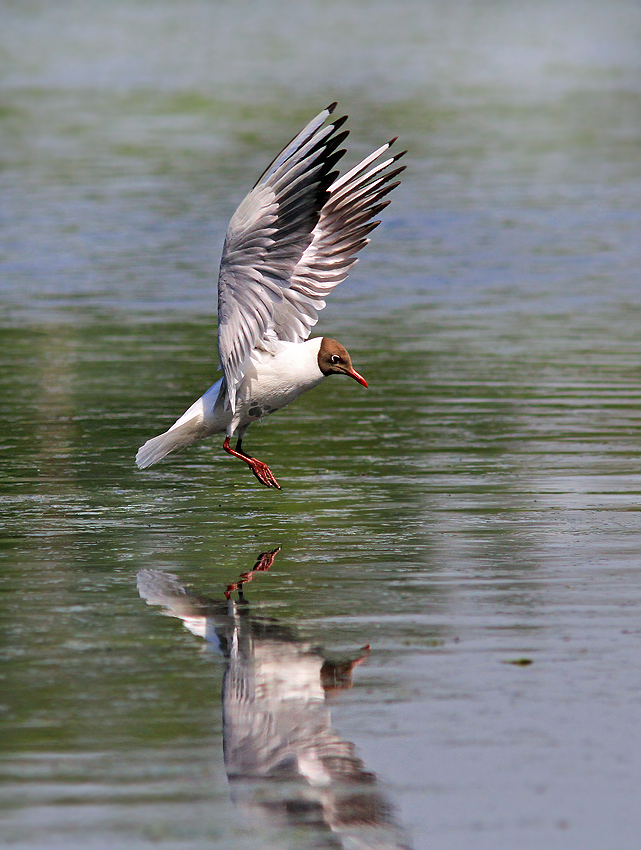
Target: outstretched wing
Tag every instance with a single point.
(266, 238)
(292, 240)
(342, 230)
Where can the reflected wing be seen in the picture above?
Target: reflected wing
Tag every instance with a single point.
(292, 240)
(266, 238)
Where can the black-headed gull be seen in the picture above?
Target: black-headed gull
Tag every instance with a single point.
(290, 242)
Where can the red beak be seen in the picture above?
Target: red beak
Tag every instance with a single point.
(354, 374)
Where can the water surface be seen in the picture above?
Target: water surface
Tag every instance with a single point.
(479, 505)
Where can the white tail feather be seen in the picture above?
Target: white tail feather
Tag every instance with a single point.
(176, 438)
(204, 417)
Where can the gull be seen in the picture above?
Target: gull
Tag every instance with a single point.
(293, 239)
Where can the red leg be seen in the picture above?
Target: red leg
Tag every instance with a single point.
(260, 469)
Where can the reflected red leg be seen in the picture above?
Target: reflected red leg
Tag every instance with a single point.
(264, 562)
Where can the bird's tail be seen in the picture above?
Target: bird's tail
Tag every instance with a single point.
(176, 438)
(205, 417)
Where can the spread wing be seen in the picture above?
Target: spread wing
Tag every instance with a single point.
(291, 241)
(342, 230)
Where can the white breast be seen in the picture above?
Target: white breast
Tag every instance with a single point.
(275, 380)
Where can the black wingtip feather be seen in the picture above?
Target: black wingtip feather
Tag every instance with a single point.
(331, 161)
(379, 207)
(335, 141)
(332, 107)
(392, 174)
(382, 192)
(339, 123)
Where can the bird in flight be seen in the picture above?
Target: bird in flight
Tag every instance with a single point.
(293, 238)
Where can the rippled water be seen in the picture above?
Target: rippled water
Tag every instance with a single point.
(478, 506)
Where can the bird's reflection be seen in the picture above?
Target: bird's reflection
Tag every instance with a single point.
(285, 763)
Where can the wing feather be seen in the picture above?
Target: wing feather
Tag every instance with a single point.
(292, 240)
(342, 231)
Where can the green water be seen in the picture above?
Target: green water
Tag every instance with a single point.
(478, 505)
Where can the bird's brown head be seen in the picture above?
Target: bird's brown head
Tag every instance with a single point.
(334, 359)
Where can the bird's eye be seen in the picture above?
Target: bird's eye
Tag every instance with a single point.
(336, 358)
